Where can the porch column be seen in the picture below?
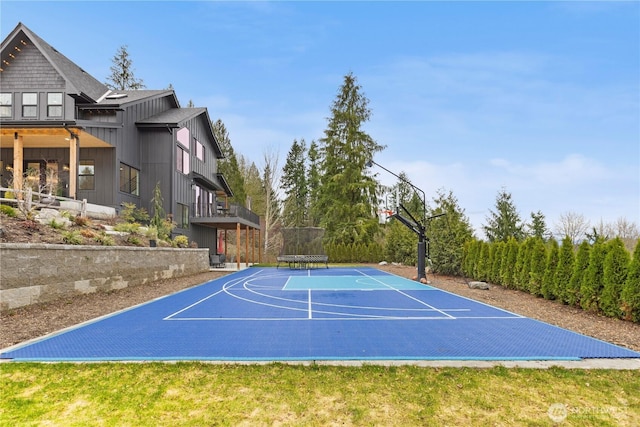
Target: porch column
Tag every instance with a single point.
(238, 245)
(259, 248)
(253, 246)
(246, 246)
(18, 161)
(73, 166)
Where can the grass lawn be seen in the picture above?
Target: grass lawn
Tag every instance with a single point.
(201, 394)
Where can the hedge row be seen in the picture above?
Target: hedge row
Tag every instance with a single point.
(601, 277)
(365, 253)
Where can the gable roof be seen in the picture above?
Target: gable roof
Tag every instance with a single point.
(81, 83)
(84, 84)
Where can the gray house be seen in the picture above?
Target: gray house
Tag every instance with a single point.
(111, 147)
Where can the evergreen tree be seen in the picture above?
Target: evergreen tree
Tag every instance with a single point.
(581, 264)
(347, 195)
(616, 264)
(631, 292)
(548, 282)
(313, 185)
(254, 188)
(538, 227)
(294, 186)
(505, 222)
(122, 77)
(447, 234)
(537, 266)
(592, 283)
(564, 271)
(400, 244)
(229, 165)
(508, 265)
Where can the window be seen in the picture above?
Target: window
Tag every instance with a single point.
(86, 175)
(54, 104)
(183, 216)
(129, 180)
(199, 149)
(183, 137)
(6, 105)
(182, 160)
(29, 104)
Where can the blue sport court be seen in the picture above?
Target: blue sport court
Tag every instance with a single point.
(269, 314)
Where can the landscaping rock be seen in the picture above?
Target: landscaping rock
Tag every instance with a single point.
(479, 285)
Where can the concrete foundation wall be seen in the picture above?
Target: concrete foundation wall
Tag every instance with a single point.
(36, 273)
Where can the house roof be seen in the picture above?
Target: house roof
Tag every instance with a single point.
(79, 81)
(122, 98)
(172, 117)
(175, 117)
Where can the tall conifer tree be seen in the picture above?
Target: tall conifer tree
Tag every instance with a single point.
(505, 221)
(295, 187)
(347, 196)
(121, 77)
(229, 165)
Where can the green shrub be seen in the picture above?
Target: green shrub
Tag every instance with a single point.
(565, 270)
(104, 239)
(523, 265)
(472, 251)
(498, 249)
(483, 265)
(537, 266)
(72, 237)
(56, 225)
(134, 240)
(507, 267)
(127, 227)
(131, 213)
(591, 286)
(572, 293)
(616, 264)
(548, 281)
(631, 292)
(8, 211)
(181, 241)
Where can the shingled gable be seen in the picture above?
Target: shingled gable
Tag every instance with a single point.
(80, 84)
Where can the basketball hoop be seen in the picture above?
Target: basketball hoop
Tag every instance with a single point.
(384, 215)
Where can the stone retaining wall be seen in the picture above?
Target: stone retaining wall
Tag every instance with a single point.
(35, 273)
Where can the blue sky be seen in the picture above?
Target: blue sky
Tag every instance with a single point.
(539, 98)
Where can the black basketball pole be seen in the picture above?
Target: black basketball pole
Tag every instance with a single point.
(418, 227)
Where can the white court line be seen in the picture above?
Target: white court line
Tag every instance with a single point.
(310, 311)
(210, 296)
(408, 296)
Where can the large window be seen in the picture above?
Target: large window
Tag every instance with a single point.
(54, 104)
(182, 160)
(199, 149)
(129, 180)
(182, 150)
(29, 104)
(183, 216)
(86, 175)
(6, 105)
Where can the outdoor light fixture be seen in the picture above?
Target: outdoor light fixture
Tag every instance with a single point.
(418, 227)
